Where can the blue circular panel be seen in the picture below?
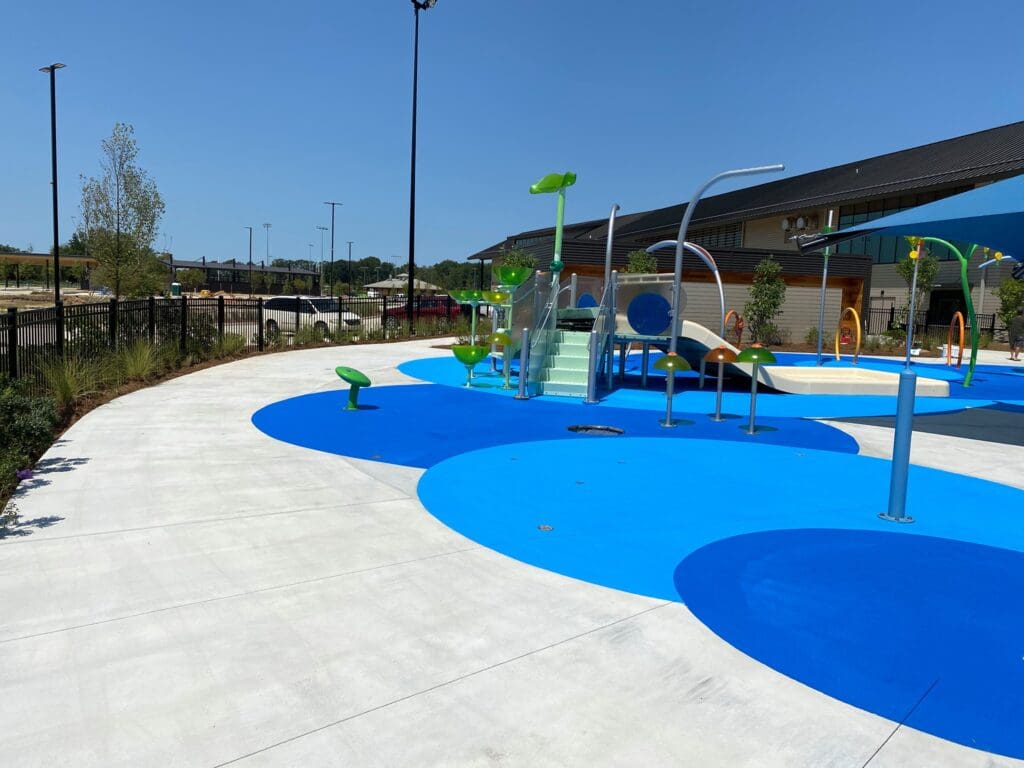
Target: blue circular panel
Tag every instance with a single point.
(891, 623)
(586, 300)
(648, 314)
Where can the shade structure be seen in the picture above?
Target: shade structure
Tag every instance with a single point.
(991, 216)
(401, 284)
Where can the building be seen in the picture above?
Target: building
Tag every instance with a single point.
(743, 226)
(233, 276)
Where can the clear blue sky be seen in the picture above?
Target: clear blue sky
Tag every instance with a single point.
(257, 112)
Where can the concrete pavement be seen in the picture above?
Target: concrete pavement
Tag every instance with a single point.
(198, 594)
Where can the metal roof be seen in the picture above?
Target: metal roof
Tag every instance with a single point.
(989, 155)
(234, 264)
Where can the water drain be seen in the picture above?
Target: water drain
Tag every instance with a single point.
(595, 429)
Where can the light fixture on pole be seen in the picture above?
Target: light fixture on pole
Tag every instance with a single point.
(51, 70)
(418, 5)
(331, 278)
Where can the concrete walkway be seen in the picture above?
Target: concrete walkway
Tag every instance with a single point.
(194, 593)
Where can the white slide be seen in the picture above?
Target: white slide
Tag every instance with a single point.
(697, 340)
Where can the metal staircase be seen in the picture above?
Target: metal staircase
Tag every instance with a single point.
(565, 367)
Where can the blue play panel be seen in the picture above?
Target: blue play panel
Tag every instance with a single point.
(637, 514)
(921, 630)
(422, 424)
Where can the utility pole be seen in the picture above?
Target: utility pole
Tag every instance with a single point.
(350, 280)
(250, 260)
(333, 206)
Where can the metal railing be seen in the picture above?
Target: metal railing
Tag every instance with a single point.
(31, 340)
(881, 321)
(601, 342)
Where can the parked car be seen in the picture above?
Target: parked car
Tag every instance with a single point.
(317, 312)
(441, 309)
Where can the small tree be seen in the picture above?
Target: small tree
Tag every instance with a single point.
(641, 262)
(767, 295)
(927, 270)
(192, 279)
(517, 257)
(341, 289)
(124, 209)
(1011, 298)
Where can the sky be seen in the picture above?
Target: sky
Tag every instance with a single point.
(256, 112)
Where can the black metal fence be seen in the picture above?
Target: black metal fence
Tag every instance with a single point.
(32, 339)
(880, 321)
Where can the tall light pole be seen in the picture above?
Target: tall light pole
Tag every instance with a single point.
(52, 71)
(418, 5)
(322, 273)
(250, 260)
(350, 293)
(333, 206)
(266, 226)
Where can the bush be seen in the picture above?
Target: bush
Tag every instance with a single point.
(137, 362)
(73, 378)
(516, 257)
(307, 335)
(640, 262)
(984, 341)
(232, 345)
(27, 425)
(767, 295)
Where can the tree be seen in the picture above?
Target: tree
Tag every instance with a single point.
(1011, 298)
(927, 269)
(767, 295)
(641, 262)
(192, 279)
(124, 209)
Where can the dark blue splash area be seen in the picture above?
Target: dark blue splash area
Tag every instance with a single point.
(909, 627)
(421, 425)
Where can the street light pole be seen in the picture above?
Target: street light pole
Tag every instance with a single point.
(350, 292)
(333, 206)
(266, 226)
(52, 71)
(250, 260)
(418, 5)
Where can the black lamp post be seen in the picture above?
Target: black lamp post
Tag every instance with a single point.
(350, 281)
(418, 5)
(250, 260)
(333, 206)
(52, 71)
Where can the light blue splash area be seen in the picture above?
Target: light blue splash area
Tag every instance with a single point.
(626, 510)
(916, 629)
(419, 425)
(870, 612)
(448, 372)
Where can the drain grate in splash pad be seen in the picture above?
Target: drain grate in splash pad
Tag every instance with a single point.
(595, 429)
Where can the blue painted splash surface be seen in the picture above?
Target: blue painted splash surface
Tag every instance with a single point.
(421, 425)
(905, 626)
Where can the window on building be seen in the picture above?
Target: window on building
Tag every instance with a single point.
(888, 250)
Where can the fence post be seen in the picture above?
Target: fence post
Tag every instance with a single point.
(992, 327)
(59, 308)
(151, 319)
(183, 337)
(12, 342)
(297, 317)
(892, 316)
(112, 324)
(259, 324)
(220, 319)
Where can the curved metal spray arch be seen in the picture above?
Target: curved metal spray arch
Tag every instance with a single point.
(856, 327)
(710, 262)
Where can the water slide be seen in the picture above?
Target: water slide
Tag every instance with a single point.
(696, 340)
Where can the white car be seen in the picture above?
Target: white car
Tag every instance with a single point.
(319, 312)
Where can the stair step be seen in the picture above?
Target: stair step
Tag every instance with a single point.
(565, 350)
(569, 363)
(572, 337)
(562, 376)
(563, 390)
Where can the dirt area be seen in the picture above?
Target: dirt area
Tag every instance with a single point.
(29, 299)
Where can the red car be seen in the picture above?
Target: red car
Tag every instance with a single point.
(441, 309)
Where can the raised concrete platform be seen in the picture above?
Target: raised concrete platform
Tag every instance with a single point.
(840, 381)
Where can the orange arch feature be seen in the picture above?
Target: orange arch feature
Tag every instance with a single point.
(958, 317)
(856, 327)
